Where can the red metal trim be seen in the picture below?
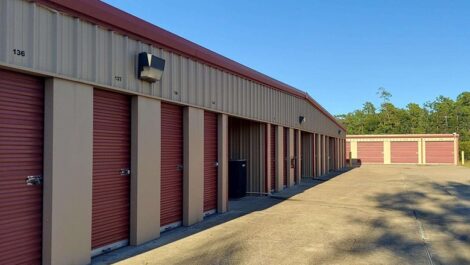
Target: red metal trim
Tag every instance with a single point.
(106, 15)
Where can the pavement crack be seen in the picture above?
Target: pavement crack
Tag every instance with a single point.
(423, 238)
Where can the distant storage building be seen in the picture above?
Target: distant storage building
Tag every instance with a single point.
(423, 149)
(113, 130)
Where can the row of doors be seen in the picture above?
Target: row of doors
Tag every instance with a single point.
(437, 152)
(21, 156)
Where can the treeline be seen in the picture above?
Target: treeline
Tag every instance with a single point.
(443, 115)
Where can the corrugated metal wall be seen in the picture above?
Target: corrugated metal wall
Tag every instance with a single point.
(247, 141)
(59, 44)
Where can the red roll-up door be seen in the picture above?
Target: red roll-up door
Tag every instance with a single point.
(331, 154)
(441, 152)
(314, 157)
(111, 160)
(296, 156)
(286, 159)
(404, 152)
(171, 164)
(21, 155)
(273, 157)
(210, 161)
(266, 156)
(348, 149)
(370, 152)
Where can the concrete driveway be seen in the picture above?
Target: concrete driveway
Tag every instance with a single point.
(369, 215)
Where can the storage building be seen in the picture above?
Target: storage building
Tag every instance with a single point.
(113, 130)
(422, 149)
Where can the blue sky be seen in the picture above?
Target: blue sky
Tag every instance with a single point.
(339, 51)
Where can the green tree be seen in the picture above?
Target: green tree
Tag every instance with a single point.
(442, 115)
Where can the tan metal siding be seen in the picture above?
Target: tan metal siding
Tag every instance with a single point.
(63, 45)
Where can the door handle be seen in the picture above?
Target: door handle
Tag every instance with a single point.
(34, 180)
(125, 172)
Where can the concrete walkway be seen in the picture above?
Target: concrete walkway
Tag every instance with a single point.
(369, 215)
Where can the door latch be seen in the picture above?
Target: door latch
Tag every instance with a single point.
(125, 172)
(34, 180)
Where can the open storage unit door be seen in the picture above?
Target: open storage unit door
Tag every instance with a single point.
(273, 157)
(404, 152)
(210, 161)
(370, 152)
(439, 152)
(111, 170)
(171, 211)
(21, 155)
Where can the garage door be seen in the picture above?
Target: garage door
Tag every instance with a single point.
(210, 161)
(21, 145)
(171, 164)
(404, 152)
(111, 164)
(273, 157)
(370, 152)
(314, 155)
(331, 153)
(296, 155)
(286, 159)
(439, 152)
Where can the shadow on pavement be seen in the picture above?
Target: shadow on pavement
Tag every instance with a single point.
(238, 208)
(436, 227)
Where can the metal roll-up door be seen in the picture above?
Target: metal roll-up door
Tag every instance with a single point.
(210, 161)
(273, 157)
(404, 152)
(171, 211)
(286, 158)
(314, 155)
(370, 152)
(439, 152)
(21, 155)
(111, 170)
(330, 153)
(296, 156)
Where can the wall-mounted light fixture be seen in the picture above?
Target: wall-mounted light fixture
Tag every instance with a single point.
(301, 119)
(150, 67)
(339, 132)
